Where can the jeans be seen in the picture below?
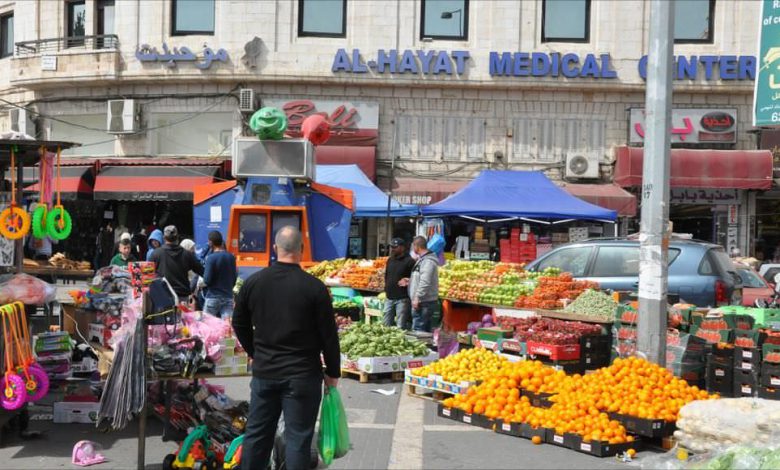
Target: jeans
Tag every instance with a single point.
(397, 313)
(299, 400)
(421, 316)
(219, 307)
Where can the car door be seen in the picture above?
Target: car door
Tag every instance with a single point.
(616, 267)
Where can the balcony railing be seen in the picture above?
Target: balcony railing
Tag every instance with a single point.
(86, 43)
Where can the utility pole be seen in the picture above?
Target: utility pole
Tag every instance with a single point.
(654, 230)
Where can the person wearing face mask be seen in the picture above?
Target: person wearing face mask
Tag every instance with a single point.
(423, 285)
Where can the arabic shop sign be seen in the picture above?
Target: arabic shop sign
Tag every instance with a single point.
(767, 87)
(703, 196)
(690, 126)
(146, 53)
(534, 64)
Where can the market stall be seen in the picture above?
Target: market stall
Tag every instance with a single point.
(371, 204)
(515, 214)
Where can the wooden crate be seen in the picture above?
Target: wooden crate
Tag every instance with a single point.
(427, 393)
(365, 377)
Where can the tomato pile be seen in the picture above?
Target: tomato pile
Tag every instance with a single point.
(548, 330)
(550, 290)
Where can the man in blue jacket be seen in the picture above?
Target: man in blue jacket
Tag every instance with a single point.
(220, 277)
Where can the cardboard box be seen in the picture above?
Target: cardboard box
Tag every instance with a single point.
(76, 412)
(74, 317)
(412, 362)
(96, 331)
(555, 352)
(372, 365)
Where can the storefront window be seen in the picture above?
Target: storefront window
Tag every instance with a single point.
(252, 233)
(182, 134)
(7, 35)
(445, 19)
(693, 21)
(192, 17)
(566, 21)
(325, 18)
(85, 129)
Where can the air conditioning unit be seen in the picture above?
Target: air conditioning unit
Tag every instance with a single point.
(582, 166)
(246, 100)
(21, 122)
(122, 117)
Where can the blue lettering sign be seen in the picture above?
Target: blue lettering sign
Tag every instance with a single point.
(443, 64)
(341, 62)
(460, 60)
(408, 64)
(606, 71)
(728, 67)
(590, 67)
(569, 70)
(686, 68)
(540, 64)
(386, 60)
(500, 64)
(425, 60)
(357, 65)
(521, 64)
(709, 61)
(747, 67)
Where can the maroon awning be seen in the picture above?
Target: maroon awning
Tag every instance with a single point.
(735, 169)
(609, 196)
(363, 157)
(422, 191)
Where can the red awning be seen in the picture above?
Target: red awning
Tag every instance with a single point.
(76, 182)
(151, 183)
(735, 169)
(422, 191)
(609, 196)
(363, 157)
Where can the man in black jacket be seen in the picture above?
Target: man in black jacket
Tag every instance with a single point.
(283, 318)
(174, 263)
(398, 307)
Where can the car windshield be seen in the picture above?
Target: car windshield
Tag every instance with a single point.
(750, 278)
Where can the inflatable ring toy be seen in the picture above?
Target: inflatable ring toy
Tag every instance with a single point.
(58, 223)
(39, 221)
(14, 223)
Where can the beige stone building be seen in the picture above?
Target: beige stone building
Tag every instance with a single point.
(424, 93)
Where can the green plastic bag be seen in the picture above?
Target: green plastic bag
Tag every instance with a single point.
(333, 439)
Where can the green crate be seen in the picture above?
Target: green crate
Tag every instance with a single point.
(724, 336)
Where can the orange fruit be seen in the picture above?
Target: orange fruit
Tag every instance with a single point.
(536, 440)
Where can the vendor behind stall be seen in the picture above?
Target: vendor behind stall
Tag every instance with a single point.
(174, 263)
(397, 309)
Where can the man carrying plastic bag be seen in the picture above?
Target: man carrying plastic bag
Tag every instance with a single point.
(284, 320)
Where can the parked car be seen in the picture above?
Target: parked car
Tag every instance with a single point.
(700, 273)
(768, 271)
(753, 285)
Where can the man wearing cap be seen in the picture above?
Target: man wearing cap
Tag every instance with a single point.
(397, 272)
(174, 263)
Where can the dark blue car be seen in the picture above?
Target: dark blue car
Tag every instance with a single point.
(701, 273)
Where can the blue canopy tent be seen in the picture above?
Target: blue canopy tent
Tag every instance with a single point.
(501, 196)
(370, 201)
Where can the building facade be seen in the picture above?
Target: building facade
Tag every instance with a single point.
(424, 93)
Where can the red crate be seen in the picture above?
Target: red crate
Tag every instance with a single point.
(556, 352)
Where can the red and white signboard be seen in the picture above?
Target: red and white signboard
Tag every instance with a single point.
(690, 125)
(351, 122)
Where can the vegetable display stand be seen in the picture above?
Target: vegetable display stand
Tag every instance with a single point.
(365, 377)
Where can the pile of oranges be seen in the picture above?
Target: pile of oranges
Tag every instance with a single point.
(469, 365)
(632, 387)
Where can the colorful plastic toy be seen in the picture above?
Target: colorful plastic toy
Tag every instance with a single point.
(268, 123)
(58, 221)
(233, 455)
(316, 129)
(35, 379)
(14, 221)
(194, 453)
(85, 453)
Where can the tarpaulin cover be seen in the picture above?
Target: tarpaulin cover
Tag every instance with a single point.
(731, 169)
(610, 196)
(76, 182)
(329, 224)
(151, 183)
(498, 194)
(370, 201)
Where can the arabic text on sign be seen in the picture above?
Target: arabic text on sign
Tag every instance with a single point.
(146, 53)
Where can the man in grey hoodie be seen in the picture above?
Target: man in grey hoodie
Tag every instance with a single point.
(424, 285)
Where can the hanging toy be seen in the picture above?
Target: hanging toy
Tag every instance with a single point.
(58, 221)
(268, 123)
(14, 221)
(36, 380)
(14, 393)
(41, 210)
(316, 129)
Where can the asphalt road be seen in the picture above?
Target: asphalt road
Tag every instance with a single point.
(396, 431)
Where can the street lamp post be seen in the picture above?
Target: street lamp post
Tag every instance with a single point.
(447, 15)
